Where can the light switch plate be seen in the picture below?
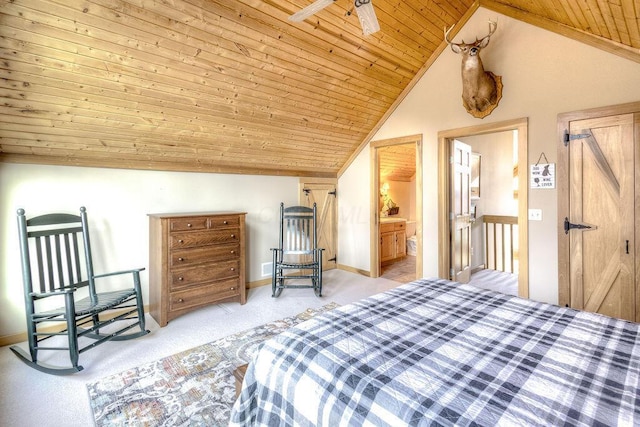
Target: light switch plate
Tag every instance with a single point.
(535, 214)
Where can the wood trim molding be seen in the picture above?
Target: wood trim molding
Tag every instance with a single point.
(354, 270)
(375, 190)
(159, 166)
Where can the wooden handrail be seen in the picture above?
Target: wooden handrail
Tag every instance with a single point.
(491, 235)
(500, 219)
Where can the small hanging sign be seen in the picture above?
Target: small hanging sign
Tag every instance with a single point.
(543, 175)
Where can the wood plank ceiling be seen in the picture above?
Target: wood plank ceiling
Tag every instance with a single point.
(397, 163)
(232, 85)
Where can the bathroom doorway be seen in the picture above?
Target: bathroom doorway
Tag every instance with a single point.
(396, 207)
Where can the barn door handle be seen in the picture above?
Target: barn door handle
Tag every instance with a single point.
(568, 226)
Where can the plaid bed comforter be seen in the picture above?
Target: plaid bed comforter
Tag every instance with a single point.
(432, 352)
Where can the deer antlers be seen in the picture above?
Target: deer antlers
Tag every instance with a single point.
(492, 29)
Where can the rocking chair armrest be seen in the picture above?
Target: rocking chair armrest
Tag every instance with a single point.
(39, 295)
(115, 273)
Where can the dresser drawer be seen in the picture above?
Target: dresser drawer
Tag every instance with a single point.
(224, 221)
(386, 227)
(202, 295)
(402, 225)
(188, 257)
(203, 238)
(197, 275)
(191, 223)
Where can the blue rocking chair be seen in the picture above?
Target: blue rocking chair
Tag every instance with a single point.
(57, 268)
(297, 255)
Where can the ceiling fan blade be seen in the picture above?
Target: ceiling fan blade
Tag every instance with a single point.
(313, 8)
(367, 16)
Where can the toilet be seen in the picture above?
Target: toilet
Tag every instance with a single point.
(412, 239)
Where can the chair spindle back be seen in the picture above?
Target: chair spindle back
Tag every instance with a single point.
(298, 230)
(57, 243)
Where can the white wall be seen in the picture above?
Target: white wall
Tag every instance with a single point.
(544, 74)
(496, 184)
(403, 195)
(354, 204)
(117, 203)
(496, 173)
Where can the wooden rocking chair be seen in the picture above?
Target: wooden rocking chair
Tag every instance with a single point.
(57, 265)
(297, 255)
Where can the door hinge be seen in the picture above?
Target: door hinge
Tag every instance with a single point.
(568, 226)
(569, 137)
(451, 216)
(452, 274)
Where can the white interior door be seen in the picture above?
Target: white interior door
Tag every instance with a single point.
(460, 212)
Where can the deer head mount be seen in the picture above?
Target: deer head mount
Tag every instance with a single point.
(481, 90)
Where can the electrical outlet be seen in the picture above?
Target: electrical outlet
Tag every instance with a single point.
(535, 214)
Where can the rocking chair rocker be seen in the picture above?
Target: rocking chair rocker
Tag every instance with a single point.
(57, 265)
(297, 255)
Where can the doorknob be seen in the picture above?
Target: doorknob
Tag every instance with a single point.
(568, 226)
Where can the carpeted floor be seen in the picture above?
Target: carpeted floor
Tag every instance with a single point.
(195, 387)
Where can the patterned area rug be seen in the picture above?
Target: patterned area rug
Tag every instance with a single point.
(193, 388)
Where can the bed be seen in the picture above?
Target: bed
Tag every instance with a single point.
(434, 352)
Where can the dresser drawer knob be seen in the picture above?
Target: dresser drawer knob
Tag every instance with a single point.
(233, 251)
(180, 279)
(233, 269)
(225, 222)
(180, 300)
(232, 288)
(180, 259)
(233, 236)
(189, 225)
(180, 241)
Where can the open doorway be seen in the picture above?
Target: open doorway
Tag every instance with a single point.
(447, 250)
(394, 223)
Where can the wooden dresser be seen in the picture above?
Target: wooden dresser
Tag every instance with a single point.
(195, 259)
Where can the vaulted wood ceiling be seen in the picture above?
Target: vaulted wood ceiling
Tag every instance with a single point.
(233, 85)
(397, 162)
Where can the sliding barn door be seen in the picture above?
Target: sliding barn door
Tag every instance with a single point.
(460, 212)
(600, 224)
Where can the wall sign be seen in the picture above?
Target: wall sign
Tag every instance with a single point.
(543, 175)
